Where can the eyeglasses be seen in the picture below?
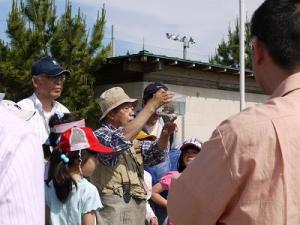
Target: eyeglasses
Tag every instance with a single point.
(55, 78)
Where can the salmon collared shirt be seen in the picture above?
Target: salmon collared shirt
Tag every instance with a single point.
(249, 171)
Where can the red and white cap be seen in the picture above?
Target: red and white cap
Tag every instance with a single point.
(192, 142)
(60, 128)
(78, 138)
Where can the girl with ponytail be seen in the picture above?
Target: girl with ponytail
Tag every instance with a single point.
(70, 198)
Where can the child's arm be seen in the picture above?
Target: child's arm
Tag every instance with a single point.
(89, 218)
(47, 215)
(156, 197)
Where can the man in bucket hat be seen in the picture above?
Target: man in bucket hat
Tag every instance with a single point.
(47, 80)
(119, 176)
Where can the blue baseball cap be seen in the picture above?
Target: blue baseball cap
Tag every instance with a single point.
(48, 66)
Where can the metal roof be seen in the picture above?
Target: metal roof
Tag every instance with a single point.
(145, 56)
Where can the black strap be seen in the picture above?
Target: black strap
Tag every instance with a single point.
(126, 191)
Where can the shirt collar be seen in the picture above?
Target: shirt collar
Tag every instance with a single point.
(290, 84)
(38, 103)
(109, 126)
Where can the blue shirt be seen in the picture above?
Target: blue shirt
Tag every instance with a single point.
(170, 164)
(82, 200)
(113, 137)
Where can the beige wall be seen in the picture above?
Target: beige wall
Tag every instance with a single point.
(205, 108)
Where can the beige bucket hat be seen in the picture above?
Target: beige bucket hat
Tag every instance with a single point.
(112, 98)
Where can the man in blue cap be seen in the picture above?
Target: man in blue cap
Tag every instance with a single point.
(47, 80)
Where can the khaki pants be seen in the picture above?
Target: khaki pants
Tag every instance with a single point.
(117, 212)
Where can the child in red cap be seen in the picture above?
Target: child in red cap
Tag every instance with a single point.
(70, 198)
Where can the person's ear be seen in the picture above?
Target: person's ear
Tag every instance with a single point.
(259, 50)
(34, 82)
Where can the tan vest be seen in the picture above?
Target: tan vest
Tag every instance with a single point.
(109, 179)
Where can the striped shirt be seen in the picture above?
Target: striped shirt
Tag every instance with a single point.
(21, 173)
(40, 121)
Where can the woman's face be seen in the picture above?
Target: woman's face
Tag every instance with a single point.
(89, 166)
(189, 155)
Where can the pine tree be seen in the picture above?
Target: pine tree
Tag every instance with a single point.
(227, 53)
(34, 30)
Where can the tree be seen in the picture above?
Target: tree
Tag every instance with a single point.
(35, 30)
(227, 52)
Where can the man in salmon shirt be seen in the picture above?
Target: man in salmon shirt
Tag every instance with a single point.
(248, 172)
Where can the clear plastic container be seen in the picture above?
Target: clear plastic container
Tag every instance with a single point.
(176, 106)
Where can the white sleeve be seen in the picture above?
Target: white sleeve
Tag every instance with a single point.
(22, 199)
(149, 212)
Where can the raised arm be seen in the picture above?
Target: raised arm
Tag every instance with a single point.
(167, 130)
(134, 127)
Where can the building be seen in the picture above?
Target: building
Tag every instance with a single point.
(212, 91)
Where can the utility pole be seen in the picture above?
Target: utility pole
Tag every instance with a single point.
(242, 55)
(112, 41)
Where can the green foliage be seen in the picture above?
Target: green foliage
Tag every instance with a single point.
(227, 53)
(35, 30)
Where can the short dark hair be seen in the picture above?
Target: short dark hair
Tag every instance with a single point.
(277, 24)
(180, 166)
(151, 89)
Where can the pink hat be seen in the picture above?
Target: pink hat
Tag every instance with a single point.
(77, 138)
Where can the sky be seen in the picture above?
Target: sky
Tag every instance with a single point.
(139, 23)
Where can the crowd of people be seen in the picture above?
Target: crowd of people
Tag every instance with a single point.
(133, 169)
